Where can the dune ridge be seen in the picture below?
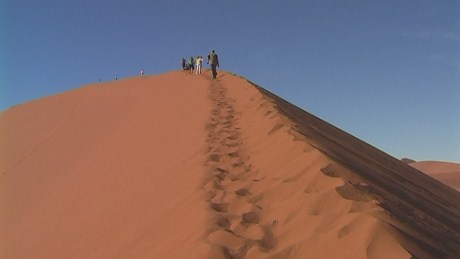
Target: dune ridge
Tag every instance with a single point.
(183, 166)
(276, 200)
(424, 211)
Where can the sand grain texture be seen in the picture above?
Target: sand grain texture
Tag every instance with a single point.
(182, 166)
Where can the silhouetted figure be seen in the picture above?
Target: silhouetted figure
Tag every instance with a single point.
(183, 61)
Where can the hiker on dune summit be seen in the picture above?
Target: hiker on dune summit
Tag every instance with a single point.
(191, 63)
(213, 60)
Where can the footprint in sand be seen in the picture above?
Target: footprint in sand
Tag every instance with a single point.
(219, 207)
(228, 184)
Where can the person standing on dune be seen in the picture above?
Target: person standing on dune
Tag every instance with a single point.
(199, 64)
(183, 63)
(191, 63)
(213, 60)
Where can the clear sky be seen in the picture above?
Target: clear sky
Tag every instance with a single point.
(387, 72)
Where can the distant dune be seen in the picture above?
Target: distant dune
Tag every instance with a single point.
(447, 173)
(183, 166)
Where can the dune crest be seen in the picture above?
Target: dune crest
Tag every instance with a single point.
(274, 194)
(183, 166)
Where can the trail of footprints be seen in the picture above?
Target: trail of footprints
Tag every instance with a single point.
(236, 225)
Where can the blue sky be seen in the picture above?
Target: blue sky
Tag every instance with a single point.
(387, 72)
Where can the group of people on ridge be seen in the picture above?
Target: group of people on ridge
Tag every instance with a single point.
(197, 63)
(193, 64)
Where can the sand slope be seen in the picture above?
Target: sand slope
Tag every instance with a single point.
(425, 212)
(108, 170)
(182, 166)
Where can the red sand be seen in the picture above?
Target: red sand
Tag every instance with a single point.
(182, 166)
(445, 172)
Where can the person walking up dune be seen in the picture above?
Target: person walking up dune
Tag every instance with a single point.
(213, 61)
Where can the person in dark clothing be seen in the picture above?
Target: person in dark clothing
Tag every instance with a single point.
(191, 63)
(213, 61)
(183, 63)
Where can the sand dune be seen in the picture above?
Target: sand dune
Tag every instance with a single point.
(182, 166)
(445, 172)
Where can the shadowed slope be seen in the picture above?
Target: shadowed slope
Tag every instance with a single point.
(426, 211)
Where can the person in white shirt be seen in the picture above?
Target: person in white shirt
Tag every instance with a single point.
(199, 64)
